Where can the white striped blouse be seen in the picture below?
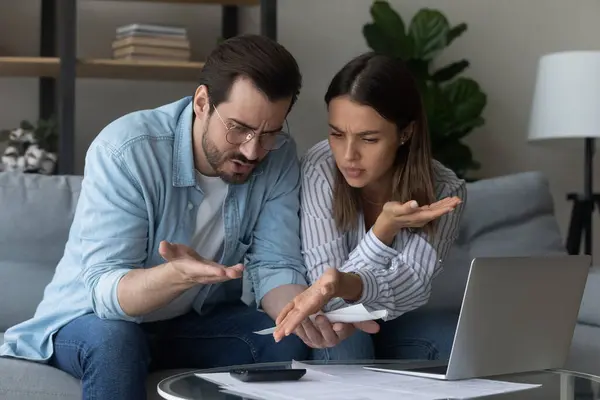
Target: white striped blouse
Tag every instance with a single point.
(396, 278)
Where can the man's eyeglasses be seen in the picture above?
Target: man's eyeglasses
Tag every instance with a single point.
(238, 135)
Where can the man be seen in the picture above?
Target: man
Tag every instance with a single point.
(181, 208)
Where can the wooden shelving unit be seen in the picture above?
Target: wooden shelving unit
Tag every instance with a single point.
(221, 2)
(58, 66)
(41, 67)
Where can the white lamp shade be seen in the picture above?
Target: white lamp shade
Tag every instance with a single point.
(566, 100)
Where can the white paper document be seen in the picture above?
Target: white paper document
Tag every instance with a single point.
(354, 313)
(353, 382)
(312, 386)
(431, 388)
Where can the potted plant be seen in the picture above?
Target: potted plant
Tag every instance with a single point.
(29, 148)
(454, 104)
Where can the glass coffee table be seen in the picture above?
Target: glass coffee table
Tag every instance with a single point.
(556, 384)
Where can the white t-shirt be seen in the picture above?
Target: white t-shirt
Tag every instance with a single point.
(209, 234)
(207, 240)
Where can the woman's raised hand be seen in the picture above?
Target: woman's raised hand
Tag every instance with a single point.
(396, 216)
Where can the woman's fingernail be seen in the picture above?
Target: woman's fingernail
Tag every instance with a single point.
(414, 204)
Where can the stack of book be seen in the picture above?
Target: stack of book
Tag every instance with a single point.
(151, 42)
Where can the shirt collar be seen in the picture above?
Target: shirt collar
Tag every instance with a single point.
(183, 156)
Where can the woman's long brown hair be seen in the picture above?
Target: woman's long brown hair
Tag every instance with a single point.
(386, 84)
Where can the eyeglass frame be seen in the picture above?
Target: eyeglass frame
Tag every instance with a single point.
(250, 135)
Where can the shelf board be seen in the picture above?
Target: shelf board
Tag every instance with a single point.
(29, 66)
(221, 2)
(102, 68)
(139, 70)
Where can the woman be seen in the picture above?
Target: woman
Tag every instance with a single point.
(378, 213)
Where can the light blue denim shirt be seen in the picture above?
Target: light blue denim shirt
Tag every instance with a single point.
(139, 188)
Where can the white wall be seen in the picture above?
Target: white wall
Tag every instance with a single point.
(503, 43)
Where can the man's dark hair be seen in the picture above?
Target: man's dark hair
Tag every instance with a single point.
(271, 68)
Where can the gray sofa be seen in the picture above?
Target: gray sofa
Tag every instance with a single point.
(510, 215)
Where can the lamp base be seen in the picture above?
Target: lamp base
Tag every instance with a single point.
(581, 222)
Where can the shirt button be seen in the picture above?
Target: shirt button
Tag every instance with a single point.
(190, 205)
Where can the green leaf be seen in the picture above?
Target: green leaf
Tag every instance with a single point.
(429, 32)
(392, 27)
(450, 71)
(419, 69)
(462, 130)
(455, 32)
(440, 115)
(468, 101)
(379, 42)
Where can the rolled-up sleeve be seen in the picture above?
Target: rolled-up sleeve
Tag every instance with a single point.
(112, 226)
(274, 258)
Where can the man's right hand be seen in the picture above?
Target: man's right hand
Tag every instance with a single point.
(144, 290)
(194, 268)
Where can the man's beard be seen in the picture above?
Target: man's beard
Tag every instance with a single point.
(217, 161)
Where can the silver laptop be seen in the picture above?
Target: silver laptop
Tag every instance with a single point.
(518, 314)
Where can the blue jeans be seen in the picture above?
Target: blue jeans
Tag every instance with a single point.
(112, 358)
(416, 335)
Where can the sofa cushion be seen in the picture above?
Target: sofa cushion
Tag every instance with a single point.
(37, 211)
(510, 215)
(34, 381)
(16, 377)
(28, 380)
